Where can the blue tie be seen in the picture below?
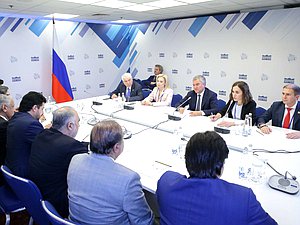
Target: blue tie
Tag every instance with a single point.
(128, 93)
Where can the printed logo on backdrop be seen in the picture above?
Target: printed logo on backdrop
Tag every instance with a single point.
(100, 56)
(174, 71)
(291, 58)
(35, 58)
(161, 55)
(74, 89)
(86, 56)
(13, 59)
(149, 54)
(223, 74)
(71, 72)
(174, 55)
(289, 80)
(18, 96)
(205, 73)
(71, 57)
(188, 88)
(87, 72)
(102, 85)
(244, 56)
(149, 69)
(16, 79)
(224, 56)
(101, 70)
(205, 55)
(188, 71)
(222, 92)
(189, 55)
(264, 77)
(262, 98)
(36, 76)
(266, 57)
(174, 86)
(87, 87)
(243, 76)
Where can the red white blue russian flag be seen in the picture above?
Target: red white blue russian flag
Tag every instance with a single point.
(61, 88)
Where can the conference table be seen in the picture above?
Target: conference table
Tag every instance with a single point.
(151, 150)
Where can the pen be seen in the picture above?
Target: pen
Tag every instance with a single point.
(258, 131)
(162, 163)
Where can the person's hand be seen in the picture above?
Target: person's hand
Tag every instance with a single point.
(293, 135)
(181, 110)
(146, 103)
(226, 124)
(265, 129)
(195, 113)
(215, 117)
(114, 96)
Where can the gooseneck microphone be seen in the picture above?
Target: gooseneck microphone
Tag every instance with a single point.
(177, 118)
(223, 130)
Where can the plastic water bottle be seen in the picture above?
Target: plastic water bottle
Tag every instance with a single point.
(250, 123)
(177, 137)
(246, 126)
(245, 163)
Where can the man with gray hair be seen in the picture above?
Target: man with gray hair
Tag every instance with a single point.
(7, 109)
(131, 89)
(285, 113)
(51, 153)
(202, 101)
(102, 191)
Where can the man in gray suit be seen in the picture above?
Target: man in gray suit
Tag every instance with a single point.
(102, 191)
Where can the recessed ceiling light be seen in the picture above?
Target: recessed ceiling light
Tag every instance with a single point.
(114, 4)
(140, 8)
(61, 16)
(125, 21)
(164, 3)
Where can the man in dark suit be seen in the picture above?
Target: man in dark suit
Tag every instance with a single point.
(7, 108)
(204, 198)
(150, 83)
(202, 101)
(129, 88)
(285, 113)
(51, 153)
(21, 131)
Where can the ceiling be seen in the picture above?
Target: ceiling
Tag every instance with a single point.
(100, 14)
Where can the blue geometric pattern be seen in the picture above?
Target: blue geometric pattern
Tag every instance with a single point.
(197, 25)
(220, 17)
(5, 25)
(16, 25)
(253, 18)
(38, 26)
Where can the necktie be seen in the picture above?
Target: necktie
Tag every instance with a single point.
(287, 118)
(198, 103)
(128, 93)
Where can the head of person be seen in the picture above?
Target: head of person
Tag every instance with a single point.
(290, 94)
(107, 138)
(127, 80)
(205, 155)
(158, 69)
(162, 81)
(240, 92)
(33, 103)
(7, 106)
(199, 83)
(4, 90)
(1, 81)
(66, 120)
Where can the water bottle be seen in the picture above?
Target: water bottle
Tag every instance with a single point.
(250, 123)
(177, 143)
(246, 126)
(123, 98)
(245, 163)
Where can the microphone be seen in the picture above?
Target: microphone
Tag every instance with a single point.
(228, 108)
(223, 130)
(126, 134)
(177, 118)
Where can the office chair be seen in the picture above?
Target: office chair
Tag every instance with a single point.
(221, 104)
(9, 202)
(28, 193)
(53, 215)
(176, 98)
(146, 92)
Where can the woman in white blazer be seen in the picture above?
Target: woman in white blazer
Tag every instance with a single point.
(161, 95)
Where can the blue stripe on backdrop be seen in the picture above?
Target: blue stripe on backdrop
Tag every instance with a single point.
(220, 18)
(197, 25)
(38, 26)
(253, 18)
(5, 25)
(75, 28)
(16, 25)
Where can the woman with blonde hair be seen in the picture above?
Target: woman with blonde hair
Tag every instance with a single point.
(161, 95)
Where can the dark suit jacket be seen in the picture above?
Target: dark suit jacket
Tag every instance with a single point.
(21, 131)
(147, 83)
(195, 201)
(136, 93)
(276, 113)
(209, 104)
(51, 153)
(3, 130)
